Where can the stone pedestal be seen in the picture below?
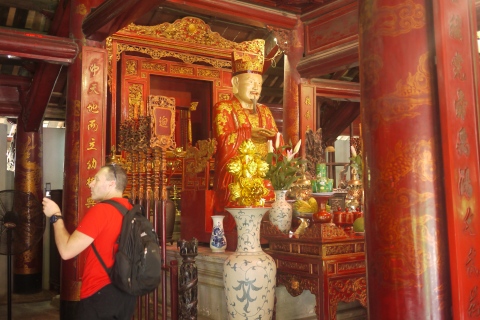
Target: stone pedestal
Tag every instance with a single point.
(211, 297)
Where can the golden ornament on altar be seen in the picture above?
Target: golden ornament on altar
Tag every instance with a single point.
(248, 170)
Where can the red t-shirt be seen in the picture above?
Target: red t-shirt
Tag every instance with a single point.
(103, 223)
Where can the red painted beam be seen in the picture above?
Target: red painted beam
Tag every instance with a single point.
(10, 109)
(337, 90)
(113, 15)
(237, 11)
(31, 45)
(44, 81)
(15, 81)
(331, 60)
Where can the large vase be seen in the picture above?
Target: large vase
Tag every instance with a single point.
(249, 274)
(281, 212)
(218, 242)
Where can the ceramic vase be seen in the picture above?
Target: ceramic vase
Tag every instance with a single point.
(218, 242)
(281, 212)
(249, 274)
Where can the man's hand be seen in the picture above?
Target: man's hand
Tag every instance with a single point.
(50, 208)
(262, 134)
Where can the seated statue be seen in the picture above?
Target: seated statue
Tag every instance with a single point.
(239, 119)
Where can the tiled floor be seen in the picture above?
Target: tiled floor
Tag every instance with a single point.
(41, 306)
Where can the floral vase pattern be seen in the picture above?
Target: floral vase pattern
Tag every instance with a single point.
(218, 242)
(249, 274)
(281, 212)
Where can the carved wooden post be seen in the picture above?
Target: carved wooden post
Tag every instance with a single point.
(187, 291)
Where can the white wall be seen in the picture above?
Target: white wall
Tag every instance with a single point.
(53, 156)
(3, 171)
(53, 160)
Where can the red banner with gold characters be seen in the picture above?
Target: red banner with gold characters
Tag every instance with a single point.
(455, 31)
(92, 122)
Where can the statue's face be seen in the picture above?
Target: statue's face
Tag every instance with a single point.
(249, 86)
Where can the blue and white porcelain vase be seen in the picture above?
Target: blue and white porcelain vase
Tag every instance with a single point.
(218, 242)
(249, 274)
(281, 212)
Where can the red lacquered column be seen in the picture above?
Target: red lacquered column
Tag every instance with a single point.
(84, 147)
(293, 53)
(407, 252)
(27, 266)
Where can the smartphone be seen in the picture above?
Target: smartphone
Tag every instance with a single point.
(48, 188)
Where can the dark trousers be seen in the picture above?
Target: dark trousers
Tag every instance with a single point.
(106, 304)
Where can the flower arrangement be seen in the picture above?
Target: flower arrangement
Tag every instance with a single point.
(283, 166)
(248, 170)
(356, 163)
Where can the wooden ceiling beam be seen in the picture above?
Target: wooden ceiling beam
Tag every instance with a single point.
(15, 81)
(331, 60)
(113, 15)
(36, 5)
(337, 90)
(44, 81)
(37, 46)
(10, 109)
(245, 13)
(339, 120)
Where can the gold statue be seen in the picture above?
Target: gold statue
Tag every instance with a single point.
(239, 119)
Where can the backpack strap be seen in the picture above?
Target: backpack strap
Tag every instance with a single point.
(123, 211)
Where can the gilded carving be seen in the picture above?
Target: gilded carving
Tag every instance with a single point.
(92, 125)
(159, 54)
(307, 115)
(396, 20)
(193, 30)
(347, 266)
(182, 70)
(473, 303)
(208, 73)
(337, 249)
(472, 269)
(460, 105)
(131, 67)
(463, 147)
(135, 101)
(81, 9)
(408, 158)
(346, 290)
(312, 250)
(464, 183)
(163, 104)
(305, 267)
(91, 144)
(32, 175)
(93, 68)
(457, 64)
(308, 101)
(285, 247)
(93, 88)
(324, 231)
(295, 286)
(409, 95)
(468, 222)
(92, 107)
(223, 96)
(154, 66)
(201, 155)
(455, 27)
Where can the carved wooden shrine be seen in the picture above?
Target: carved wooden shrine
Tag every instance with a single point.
(324, 260)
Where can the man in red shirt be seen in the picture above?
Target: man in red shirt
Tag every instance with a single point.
(101, 225)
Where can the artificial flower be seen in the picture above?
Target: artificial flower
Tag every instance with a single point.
(283, 166)
(248, 170)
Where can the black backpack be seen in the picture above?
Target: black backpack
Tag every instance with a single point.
(138, 263)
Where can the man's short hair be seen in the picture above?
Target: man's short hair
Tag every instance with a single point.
(117, 173)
